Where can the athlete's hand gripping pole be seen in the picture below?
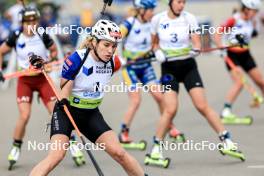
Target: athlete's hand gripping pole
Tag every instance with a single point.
(240, 42)
(106, 3)
(2, 78)
(37, 62)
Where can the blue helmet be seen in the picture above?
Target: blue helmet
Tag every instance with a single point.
(146, 4)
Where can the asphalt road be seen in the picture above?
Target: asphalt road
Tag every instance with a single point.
(184, 163)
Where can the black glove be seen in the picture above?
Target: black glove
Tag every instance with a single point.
(241, 39)
(63, 102)
(108, 2)
(195, 52)
(2, 77)
(36, 61)
(149, 55)
(254, 33)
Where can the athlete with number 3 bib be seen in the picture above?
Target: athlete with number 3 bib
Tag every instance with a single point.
(175, 38)
(137, 47)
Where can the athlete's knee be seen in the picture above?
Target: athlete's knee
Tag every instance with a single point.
(158, 98)
(56, 156)
(119, 155)
(260, 82)
(202, 107)
(135, 102)
(24, 116)
(170, 111)
(238, 83)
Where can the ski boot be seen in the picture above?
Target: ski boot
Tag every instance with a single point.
(14, 155)
(176, 135)
(228, 118)
(76, 153)
(257, 101)
(229, 148)
(128, 143)
(156, 157)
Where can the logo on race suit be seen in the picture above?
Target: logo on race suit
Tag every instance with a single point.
(91, 94)
(87, 71)
(103, 69)
(137, 31)
(55, 116)
(68, 62)
(164, 26)
(239, 26)
(76, 100)
(197, 84)
(21, 45)
(23, 99)
(65, 67)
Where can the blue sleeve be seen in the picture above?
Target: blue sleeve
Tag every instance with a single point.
(71, 66)
(127, 24)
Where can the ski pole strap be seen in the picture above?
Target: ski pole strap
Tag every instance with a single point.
(79, 68)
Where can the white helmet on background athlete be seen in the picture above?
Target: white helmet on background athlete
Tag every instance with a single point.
(146, 4)
(251, 4)
(107, 30)
(29, 14)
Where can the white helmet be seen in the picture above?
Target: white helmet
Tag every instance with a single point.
(107, 30)
(252, 4)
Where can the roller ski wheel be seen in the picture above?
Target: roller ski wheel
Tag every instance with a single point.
(180, 138)
(247, 120)
(141, 145)
(13, 157)
(79, 161)
(232, 153)
(77, 154)
(157, 161)
(257, 101)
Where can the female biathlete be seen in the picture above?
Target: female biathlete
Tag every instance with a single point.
(175, 35)
(25, 42)
(82, 88)
(137, 47)
(243, 24)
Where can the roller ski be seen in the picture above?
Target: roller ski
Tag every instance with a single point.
(229, 148)
(127, 143)
(13, 156)
(229, 118)
(156, 158)
(176, 136)
(76, 153)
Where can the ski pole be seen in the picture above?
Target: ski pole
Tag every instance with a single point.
(218, 48)
(243, 80)
(99, 171)
(55, 65)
